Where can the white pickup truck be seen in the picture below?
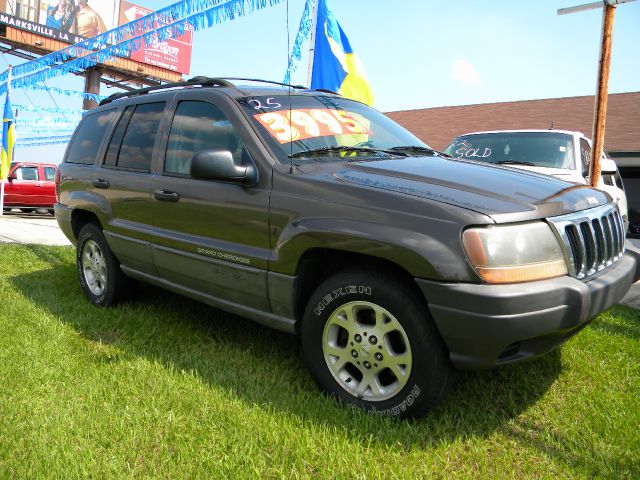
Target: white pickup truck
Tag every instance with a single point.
(560, 153)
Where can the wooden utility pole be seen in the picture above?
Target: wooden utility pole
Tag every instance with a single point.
(602, 93)
(602, 89)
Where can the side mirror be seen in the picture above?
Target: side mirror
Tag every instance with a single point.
(220, 165)
(11, 178)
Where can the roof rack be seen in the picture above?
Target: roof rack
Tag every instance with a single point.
(258, 80)
(201, 81)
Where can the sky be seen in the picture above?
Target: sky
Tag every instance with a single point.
(416, 53)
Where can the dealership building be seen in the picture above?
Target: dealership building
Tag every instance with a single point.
(438, 126)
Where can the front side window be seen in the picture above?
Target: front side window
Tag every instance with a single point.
(316, 128)
(26, 173)
(84, 146)
(537, 149)
(136, 150)
(198, 126)
(585, 156)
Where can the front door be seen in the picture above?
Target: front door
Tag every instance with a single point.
(24, 187)
(210, 237)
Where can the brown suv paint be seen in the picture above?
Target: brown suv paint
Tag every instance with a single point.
(318, 215)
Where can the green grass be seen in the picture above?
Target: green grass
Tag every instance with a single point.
(164, 387)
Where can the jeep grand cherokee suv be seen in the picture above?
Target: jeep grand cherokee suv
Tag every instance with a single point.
(318, 215)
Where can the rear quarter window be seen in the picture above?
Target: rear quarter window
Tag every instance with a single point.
(86, 142)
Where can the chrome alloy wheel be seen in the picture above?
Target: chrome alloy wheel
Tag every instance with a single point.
(367, 351)
(94, 267)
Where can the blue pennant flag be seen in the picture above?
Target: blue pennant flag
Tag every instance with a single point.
(335, 66)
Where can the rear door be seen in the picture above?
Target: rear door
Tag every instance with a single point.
(47, 185)
(210, 236)
(124, 181)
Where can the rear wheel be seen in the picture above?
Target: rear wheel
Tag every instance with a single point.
(369, 341)
(101, 279)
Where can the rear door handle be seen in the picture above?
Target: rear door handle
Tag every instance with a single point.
(166, 196)
(101, 183)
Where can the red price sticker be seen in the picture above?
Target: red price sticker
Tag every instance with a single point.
(299, 124)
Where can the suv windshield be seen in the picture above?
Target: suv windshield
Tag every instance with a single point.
(315, 128)
(538, 149)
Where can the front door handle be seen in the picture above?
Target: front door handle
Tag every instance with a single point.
(166, 196)
(101, 183)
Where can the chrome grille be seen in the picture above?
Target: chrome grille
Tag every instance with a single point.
(592, 239)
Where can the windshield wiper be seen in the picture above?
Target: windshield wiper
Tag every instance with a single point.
(419, 149)
(515, 162)
(344, 148)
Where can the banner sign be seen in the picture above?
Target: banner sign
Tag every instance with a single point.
(38, 29)
(171, 53)
(65, 20)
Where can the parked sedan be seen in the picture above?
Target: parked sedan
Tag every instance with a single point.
(30, 186)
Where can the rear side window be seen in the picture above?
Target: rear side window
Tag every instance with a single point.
(84, 146)
(136, 150)
(113, 151)
(49, 173)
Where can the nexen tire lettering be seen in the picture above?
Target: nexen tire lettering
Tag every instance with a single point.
(340, 292)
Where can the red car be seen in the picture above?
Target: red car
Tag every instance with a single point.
(30, 186)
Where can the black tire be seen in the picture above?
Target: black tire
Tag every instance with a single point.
(26, 210)
(52, 212)
(101, 279)
(377, 375)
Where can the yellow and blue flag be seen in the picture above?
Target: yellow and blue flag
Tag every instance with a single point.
(8, 139)
(335, 66)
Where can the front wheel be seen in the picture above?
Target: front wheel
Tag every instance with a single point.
(101, 279)
(369, 341)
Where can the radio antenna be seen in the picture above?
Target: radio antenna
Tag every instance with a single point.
(291, 165)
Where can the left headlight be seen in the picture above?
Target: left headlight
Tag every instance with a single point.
(514, 253)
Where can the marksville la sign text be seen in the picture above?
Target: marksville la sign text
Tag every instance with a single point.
(39, 29)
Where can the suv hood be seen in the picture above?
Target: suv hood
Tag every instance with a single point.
(562, 173)
(504, 194)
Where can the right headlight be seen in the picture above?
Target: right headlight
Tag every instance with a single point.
(514, 253)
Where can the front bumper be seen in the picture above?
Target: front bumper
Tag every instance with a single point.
(488, 325)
